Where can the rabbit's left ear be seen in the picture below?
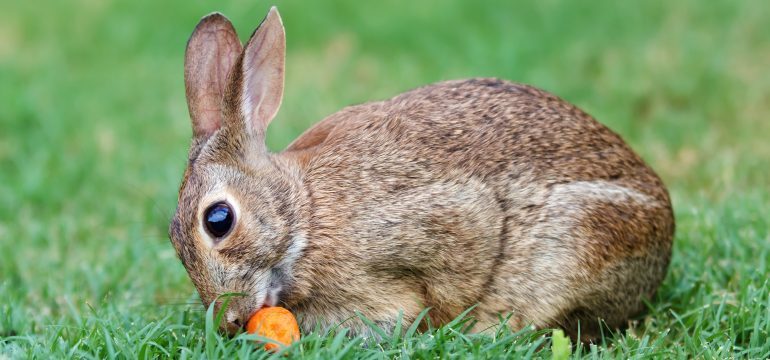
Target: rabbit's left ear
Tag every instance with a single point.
(211, 52)
(256, 89)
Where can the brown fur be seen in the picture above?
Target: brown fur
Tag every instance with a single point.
(472, 192)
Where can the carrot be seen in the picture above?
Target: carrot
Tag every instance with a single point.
(275, 323)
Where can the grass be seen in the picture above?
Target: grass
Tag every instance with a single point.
(94, 134)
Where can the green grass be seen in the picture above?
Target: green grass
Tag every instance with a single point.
(94, 135)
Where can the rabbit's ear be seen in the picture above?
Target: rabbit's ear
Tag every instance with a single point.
(211, 52)
(256, 89)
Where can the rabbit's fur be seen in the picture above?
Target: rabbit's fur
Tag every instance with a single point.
(472, 192)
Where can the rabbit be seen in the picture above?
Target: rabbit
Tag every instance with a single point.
(477, 194)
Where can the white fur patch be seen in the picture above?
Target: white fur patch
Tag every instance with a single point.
(298, 244)
(602, 191)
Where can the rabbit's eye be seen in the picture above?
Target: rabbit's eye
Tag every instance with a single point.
(218, 219)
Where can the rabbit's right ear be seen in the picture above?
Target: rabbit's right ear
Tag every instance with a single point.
(212, 50)
(255, 91)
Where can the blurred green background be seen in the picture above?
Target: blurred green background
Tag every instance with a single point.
(94, 134)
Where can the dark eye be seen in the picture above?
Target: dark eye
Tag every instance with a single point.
(218, 219)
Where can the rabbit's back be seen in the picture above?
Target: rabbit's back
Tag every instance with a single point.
(558, 219)
(490, 129)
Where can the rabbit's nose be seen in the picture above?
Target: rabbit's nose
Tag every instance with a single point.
(232, 323)
(233, 327)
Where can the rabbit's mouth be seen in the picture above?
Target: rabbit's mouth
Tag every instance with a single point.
(272, 294)
(237, 318)
(266, 293)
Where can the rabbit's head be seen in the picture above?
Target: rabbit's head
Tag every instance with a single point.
(235, 223)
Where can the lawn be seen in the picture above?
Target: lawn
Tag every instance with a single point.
(94, 134)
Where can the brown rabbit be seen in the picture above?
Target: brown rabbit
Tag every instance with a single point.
(472, 192)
